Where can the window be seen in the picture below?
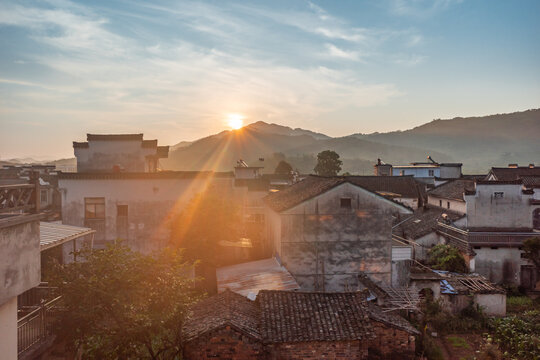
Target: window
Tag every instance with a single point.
(430, 173)
(448, 204)
(44, 196)
(401, 173)
(498, 195)
(440, 203)
(94, 208)
(494, 247)
(121, 210)
(345, 203)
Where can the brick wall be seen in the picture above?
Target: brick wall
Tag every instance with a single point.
(224, 343)
(391, 343)
(314, 350)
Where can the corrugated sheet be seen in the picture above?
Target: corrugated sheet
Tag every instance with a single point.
(53, 234)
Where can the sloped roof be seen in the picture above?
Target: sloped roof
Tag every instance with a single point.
(423, 221)
(390, 318)
(225, 309)
(253, 276)
(453, 190)
(309, 188)
(288, 316)
(508, 173)
(53, 234)
(405, 186)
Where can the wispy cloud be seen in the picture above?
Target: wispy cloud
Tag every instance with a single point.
(340, 53)
(421, 8)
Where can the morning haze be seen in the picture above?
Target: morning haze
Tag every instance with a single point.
(289, 179)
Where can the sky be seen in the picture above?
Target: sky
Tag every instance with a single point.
(176, 70)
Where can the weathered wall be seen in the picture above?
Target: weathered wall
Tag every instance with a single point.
(150, 202)
(450, 172)
(103, 155)
(8, 329)
(225, 343)
(391, 343)
(325, 246)
(315, 350)
(19, 256)
(492, 304)
(456, 206)
(513, 210)
(500, 265)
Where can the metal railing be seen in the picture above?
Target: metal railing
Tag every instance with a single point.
(37, 327)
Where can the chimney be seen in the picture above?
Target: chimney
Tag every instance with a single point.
(531, 166)
(513, 166)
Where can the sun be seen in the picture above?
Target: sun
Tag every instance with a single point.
(235, 121)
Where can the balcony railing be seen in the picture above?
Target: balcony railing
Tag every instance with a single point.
(18, 198)
(37, 327)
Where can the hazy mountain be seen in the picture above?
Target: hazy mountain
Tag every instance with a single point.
(261, 126)
(477, 142)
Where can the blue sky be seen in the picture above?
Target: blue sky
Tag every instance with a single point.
(175, 70)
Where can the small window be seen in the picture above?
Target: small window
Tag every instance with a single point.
(431, 173)
(440, 203)
(494, 247)
(401, 173)
(121, 210)
(477, 247)
(44, 196)
(448, 204)
(94, 208)
(345, 203)
(498, 195)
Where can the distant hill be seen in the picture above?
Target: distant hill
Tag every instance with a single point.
(478, 142)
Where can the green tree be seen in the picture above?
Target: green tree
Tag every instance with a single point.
(207, 219)
(531, 250)
(283, 168)
(447, 257)
(328, 163)
(120, 304)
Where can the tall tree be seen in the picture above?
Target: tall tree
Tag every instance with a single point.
(120, 304)
(328, 163)
(283, 168)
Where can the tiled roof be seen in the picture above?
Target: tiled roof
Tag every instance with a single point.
(453, 190)
(531, 181)
(144, 175)
(313, 185)
(405, 186)
(288, 316)
(508, 173)
(225, 309)
(114, 137)
(301, 191)
(422, 222)
(390, 318)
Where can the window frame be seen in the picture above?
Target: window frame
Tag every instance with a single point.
(95, 206)
(343, 203)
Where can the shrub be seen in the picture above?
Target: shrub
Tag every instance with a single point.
(447, 257)
(519, 335)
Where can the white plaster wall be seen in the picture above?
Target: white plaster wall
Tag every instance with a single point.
(456, 206)
(501, 265)
(150, 202)
(8, 329)
(512, 211)
(416, 171)
(20, 261)
(492, 304)
(450, 172)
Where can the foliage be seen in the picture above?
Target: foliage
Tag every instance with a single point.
(328, 163)
(471, 318)
(489, 352)
(431, 350)
(122, 304)
(283, 168)
(531, 250)
(519, 335)
(447, 257)
(458, 342)
(208, 219)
